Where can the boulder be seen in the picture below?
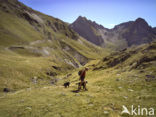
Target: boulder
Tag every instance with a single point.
(6, 90)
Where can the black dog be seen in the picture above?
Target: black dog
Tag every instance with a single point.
(66, 84)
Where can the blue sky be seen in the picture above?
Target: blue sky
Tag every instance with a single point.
(105, 12)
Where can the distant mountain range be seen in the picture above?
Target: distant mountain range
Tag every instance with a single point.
(121, 36)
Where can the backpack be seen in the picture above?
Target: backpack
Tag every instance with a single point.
(80, 72)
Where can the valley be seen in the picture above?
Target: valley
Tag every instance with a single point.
(39, 53)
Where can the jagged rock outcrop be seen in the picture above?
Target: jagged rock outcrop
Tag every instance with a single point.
(88, 30)
(154, 29)
(138, 32)
(140, 58)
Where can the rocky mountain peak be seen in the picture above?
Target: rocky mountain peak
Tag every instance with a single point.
(88, 29)
(141, 22)
(86, 21)
(80, 18)
(131, 32)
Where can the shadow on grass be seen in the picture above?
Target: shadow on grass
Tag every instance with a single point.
(75, 91)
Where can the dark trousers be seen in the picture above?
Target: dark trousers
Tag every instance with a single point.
(82, 83)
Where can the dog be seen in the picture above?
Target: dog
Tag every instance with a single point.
(83, 84)
(66, 84)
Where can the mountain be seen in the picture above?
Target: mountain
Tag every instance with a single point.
(136, 32)
(88, 29)
(35, 44)
(154, 29)
(121, 36)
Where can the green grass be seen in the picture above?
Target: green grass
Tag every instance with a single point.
(108, 90)
(104, 94)
(15, 30)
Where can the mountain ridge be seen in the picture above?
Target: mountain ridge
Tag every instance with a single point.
(129, 33)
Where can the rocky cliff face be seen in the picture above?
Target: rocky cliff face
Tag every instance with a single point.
(154, 29)
(88, 30)
(121, 36)
(138, 32)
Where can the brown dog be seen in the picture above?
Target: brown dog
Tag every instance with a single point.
(83, 84)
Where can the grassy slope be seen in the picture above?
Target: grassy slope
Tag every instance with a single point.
(108, 90)
(12, 32)
(18, 66)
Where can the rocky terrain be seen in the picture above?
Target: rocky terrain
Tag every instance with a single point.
(126, 34)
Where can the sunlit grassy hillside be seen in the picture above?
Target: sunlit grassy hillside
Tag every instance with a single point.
(109, 87)
(33, 44)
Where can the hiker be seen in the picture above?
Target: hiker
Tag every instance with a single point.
(82, 74)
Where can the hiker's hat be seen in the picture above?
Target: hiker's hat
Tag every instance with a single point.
(86, 68)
